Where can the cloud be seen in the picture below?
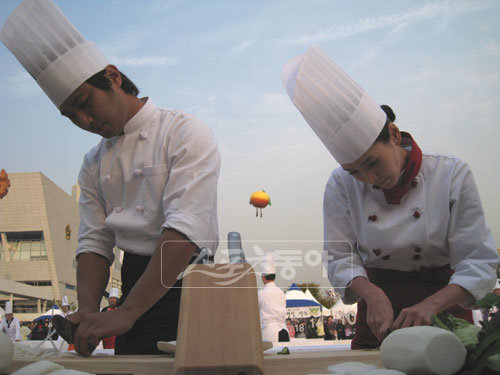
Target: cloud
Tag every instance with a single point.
(240, 48)
(144, 61)
(492, 49)
(397, 20)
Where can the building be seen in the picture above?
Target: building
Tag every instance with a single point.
(38, 228)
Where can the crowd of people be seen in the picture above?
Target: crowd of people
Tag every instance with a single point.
(325, 327)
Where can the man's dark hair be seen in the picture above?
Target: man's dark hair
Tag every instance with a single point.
(102, 82)
(270, 277)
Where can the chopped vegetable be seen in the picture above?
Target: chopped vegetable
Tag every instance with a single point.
(351, 368)
(423, 350)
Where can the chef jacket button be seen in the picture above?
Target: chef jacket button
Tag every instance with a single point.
(143, 135)
(377, 252)
(386, 257)
(414, 183)
(418, 249)
(376, 187)
(109, 144)
(372, 217)
(139, 208)
(108, 177)
(138, 172)
(118, 210)
(416, 256)
(416, 214)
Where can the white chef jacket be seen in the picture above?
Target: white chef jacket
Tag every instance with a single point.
(440, 218)
(272, 309)
(13, 330)
(161, 173)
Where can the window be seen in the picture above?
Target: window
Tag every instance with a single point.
(26, 246)
(37, 282)
(70, 287)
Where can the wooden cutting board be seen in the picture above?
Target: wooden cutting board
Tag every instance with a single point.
(302, 363)
(219, 329)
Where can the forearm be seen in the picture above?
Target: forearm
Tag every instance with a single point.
(447, 297)
(161, 273)
(92, 276)
(363, 288)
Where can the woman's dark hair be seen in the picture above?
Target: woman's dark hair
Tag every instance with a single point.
(384, 135)
(102, 82)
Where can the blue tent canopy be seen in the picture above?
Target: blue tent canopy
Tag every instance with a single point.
(296, 298)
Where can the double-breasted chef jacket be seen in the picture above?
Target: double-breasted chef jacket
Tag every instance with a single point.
(161, 173)
(438, 221)
(12, 328)
(272, 309)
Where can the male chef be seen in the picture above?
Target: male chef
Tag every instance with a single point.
(109, 342)
(65, 307)
(149, 186)
(10, 325)
(272, 305)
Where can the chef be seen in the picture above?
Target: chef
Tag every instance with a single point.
(109, 342)
(65, 307)
(272, 305)
(149, 186)
(405, 233)
(10, 325)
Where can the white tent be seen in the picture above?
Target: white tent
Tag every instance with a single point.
(299, 305)
(342, 311)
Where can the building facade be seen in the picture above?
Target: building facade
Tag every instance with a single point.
(39, 229)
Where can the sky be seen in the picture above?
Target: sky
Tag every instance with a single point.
(437, 63)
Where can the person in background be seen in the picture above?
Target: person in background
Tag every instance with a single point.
(405, 232)
(320, 329)
(109, 342)
(25, 330)
(272, 305)
(149, 186)
(329, 328)
(65, 307)
(290, 328)
(10, 324)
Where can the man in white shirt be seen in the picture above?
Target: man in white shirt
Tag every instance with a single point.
(272, 305)
(10, 325)
(149, 186)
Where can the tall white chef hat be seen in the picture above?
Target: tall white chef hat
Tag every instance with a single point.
(65, 301)
(113, 292)
(341, 113)
(8, 307)
(50, 48)
(268, 267)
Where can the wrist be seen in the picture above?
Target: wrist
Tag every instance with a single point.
(131, 312)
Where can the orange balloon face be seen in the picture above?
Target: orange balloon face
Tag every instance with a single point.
(4, 183)
(259, 199)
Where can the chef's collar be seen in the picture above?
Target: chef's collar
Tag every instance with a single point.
(394, 195)
(141, 117)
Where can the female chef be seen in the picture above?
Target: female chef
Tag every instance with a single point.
(405, 233)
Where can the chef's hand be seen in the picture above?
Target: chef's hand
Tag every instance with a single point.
(95, 326)
(416, 315)
(379, 314)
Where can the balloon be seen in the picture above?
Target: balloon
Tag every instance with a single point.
(4, 183)
(259, 199)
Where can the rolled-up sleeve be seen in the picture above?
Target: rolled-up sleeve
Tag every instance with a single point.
(340, 250)
(190, 195)
(93, 236)
(472, 250)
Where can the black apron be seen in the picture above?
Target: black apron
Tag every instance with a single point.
(159, 323)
